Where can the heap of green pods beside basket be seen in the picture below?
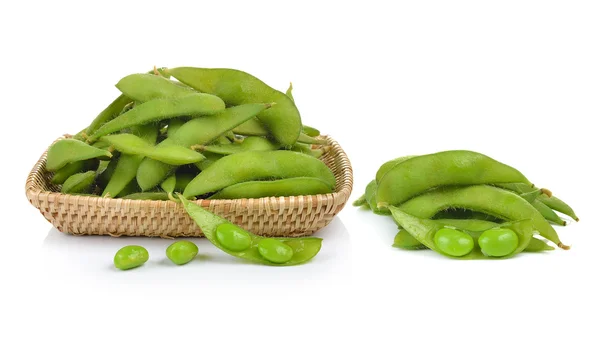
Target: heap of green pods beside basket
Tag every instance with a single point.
(204, 133)
(465, 205)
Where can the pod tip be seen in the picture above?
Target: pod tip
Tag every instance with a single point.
(576, 219)
(564, 247)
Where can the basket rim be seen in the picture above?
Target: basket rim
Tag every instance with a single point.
(343, 192)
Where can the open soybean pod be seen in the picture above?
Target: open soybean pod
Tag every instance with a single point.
(240, 243)
(494, 201)
(450, 242)
(236, 87)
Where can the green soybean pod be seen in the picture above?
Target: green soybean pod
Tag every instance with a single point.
(548, 213)
(182, 252)
(257, 165)
(61, 175)
(113, 110)
(237, 87)
(243, 244)
(456, 167)
(296, 186)
(152, 196)
(130, 256)
(425, 231)
(79, 183)
(192, 105)
(250, 143)
(170, 154)
(371, 196)
(146, 87)
(404, 240)
(169, 184)
(68, 150)
(127, 164)
(387, 166)
(557, 204)
(487, 199)
(196, 131)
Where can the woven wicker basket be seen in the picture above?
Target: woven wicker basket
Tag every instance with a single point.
(274, 216)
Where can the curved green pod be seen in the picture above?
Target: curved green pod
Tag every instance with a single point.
(387, 166)
(303, 248)
(200, 130)
(146, 87)
(297, 186)
(192, 105)
(61, 175)
(548, 213)
(257, 165)
(236, 87)
(494, 201)
(552, 202)
(169, 154)
(79, 183)
(250, 143)
(68, 150)
(456, 167)
(424, 230)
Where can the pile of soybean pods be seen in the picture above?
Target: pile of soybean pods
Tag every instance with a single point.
(465, 205)
(198, 133)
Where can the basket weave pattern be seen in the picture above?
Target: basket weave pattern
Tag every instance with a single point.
(273, 216)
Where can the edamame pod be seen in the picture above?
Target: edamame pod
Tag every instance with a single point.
(192, 105)
(169, 184)
(257, 165)
(551, 201)
(491, 200)
(170, 154)
(457, 167)
(303, 249)
(359, 202)
(237, 87)
(250, 143)
(79, 183)
(201, 130)
(61, 175)
(425, 231)
(297, 186)
(387, 166)
(68, 150)
(548, 213)
(146, 87)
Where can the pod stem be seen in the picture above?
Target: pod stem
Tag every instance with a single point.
(156, 71)
(564, 247)
(198, 147)
(546, 192)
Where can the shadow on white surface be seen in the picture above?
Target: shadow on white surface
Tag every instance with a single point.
(90, 258)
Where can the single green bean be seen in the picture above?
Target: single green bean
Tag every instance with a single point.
(79, 183)
(68, 150)
(182, 252)
(192, 105)
(297, 186)
(169, 154)
(459, 167)
(257, 165)
(303, 248)
(236, 87)
(130, 256)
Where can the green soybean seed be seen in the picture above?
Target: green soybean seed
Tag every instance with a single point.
(233, 237)
(275, 251)
(457, 167)
(192, 105)
(303, 248)
(297, 186)
(182, 252)
(130, 256)
(257, 165)
(236, 87)
(146, 87)
(79, 183)
(404, 240)
(498, 242)
(453, 242)
(200, 130)
(169, 154)
(68, 150)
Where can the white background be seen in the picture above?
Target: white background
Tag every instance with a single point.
(516, 80)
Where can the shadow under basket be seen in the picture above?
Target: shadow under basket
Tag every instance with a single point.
(292, 216)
